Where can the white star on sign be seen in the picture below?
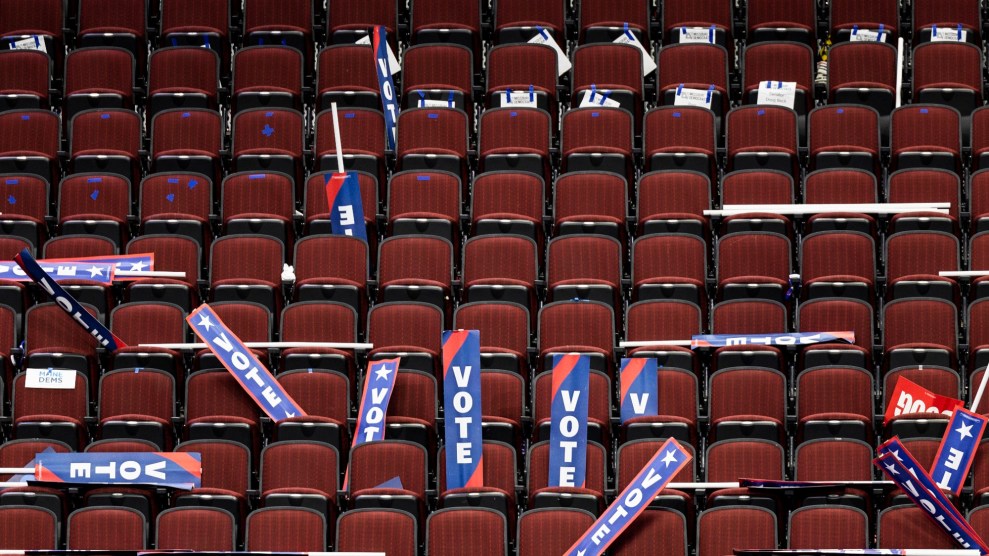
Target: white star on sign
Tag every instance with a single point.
(896, 454)
(382, 372)
(669, 458)
(964, 431)
(138, 266)
(205, 322)
(95, 271)
(892, 469)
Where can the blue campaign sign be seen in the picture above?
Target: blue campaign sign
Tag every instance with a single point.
(241, 362)
(389, 99)
(791, 339)
(379, 383)
(167, 469)
(639, 388)
(568, 416)
(462, 408)
(61, 271)
(343, 196)
(911, 481)
(68, 303)
(957, 451)
(668, 460)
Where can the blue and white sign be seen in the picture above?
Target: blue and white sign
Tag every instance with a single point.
(50, 379)
(68, 303)
(957, 451)
(379, 383)
(343, 196)
(462, 408)
(167, 469)
(61, 271)
(668, 460)
(389, 96)
(791, 339)
(639, 388)
(568, 416)
(241, 362)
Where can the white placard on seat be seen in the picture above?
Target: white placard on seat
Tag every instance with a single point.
(778, 93)
(51, 379)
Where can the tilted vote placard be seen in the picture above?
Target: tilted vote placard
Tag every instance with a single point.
(167, 469)
(379, 383)
(957, 451)
(343, 196)
(88, 322)
(668, 460)
(791, 339)
(568, 419)
(241, 362)
(638, 388)
(902, 468)
(389, 97)
(462, 408)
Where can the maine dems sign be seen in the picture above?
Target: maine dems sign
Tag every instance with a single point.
(240, 361)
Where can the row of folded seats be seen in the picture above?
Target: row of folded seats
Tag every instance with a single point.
(268, 172)
(538, 532)
(301, 24)
(295, 502)
(121, 38)
(826, 390)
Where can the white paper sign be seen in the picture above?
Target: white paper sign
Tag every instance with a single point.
(648, 66)
(693, 97)
(598, 98)
(778, 93)
(434, 103)
(697, 34)
(562, 62)
(393, 63)
(51, 379)
(30, 43)
(948, 34)
(519, 99)
(868, 35)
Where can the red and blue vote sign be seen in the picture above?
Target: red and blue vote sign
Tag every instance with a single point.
(668, 460)
(389, 98)
(568, 419)
(957, 451)
(790, 339)
(462, 408)
(165, 469)
(95, 269)
(639, 388)
(903, 469)
(88, 322)
(379, 383)
(241, 362)
(343, 196)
